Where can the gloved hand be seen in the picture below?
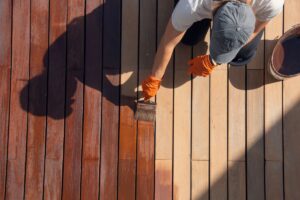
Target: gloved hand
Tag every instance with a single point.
(150, 87)
(200, 66)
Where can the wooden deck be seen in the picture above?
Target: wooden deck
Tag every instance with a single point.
(69, 72)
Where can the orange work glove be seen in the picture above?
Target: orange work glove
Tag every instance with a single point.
(200, 66)
(150, 87)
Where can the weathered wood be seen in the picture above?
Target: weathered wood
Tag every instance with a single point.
(182, 124)
(200, 109)
(5, 69)
(56, 100)
(74, 101)
(92, 100)
(37, 99)
(18, 114)
(200, 180)
(163, 179)
(218, 135)
(255, 135)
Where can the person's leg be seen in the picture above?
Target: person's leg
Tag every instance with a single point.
(247, 53)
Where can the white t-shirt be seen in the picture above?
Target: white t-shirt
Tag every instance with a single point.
(187, 12)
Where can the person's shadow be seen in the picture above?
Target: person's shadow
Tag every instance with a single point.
(77, 58)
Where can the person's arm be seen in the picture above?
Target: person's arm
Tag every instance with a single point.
(165, 49)
(259, 26)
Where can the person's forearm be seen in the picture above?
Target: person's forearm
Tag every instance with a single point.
(161, 61)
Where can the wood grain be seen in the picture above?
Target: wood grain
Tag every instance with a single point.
(56, 100)
(163, 179)
(182, 124)
(92, 100)
(218, 135)
(145, 161)
(291, 106)
(18, 115)
(74, 100)
(200, 180)
(200, 109)
(110, 133)
(5, 69)
(255, 135)
(37, 99)
(237, 133)
(237, 113)
(273, 117)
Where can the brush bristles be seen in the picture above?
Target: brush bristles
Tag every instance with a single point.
(145, 115)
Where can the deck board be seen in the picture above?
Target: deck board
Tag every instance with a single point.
(70, 74)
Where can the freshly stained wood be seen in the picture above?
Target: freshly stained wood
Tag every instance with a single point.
(273, 117)
(163, 179)
(128, 125)
(182, 124)
(19, 105)
(200, 180)
(74, 101)
(145, 161)
(110, 105)
(56, 100)
(109, 138)
(291, 106)
(145, 143)
(37, 100)
(255, 137)
(5, 66)
(92, 101)
(218, 135)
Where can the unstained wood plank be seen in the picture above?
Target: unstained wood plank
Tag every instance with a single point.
(200, 180)
(291, 106)
(200, 108)
(182, 124)
(163, 179)
(218, 135)
(273, 117)
(255, 135)
(5, 69)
